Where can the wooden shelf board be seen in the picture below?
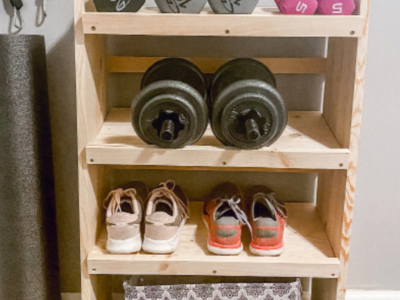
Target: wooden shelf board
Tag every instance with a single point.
(263, 22)
(308, 252)
(307, 143)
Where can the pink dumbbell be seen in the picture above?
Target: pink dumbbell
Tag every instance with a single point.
(336, 7)
(297, 7)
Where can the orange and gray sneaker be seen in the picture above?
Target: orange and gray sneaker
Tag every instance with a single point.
(223, 216)
(124, 216)
(267, 219)
(166, 213)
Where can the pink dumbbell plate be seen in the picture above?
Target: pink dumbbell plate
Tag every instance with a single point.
(297, 7)
(336, 7)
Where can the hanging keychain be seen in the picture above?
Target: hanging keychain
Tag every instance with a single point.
(17, 18)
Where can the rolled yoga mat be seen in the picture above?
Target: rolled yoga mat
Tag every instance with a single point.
(28, 235)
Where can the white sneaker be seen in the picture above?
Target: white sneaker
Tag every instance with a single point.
(124, 217)
(166, 213)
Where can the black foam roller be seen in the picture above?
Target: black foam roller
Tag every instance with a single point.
(28, 235)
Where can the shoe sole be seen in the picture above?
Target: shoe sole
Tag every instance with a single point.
(163, 246)
(221, 251)
(272, 252)
(127, 246)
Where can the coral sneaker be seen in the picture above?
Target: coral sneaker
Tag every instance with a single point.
(124, 216)
(166, 213)
(223, 217)
(267, 219)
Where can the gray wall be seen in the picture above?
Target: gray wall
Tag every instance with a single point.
(374, 260)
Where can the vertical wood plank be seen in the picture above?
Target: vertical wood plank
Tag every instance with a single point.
(339, 87)
(354, 147)
(364, 7)
(344, 89)
(330, 205)
(91, 111)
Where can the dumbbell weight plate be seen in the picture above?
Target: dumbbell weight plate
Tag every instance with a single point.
(337, 7)
(174, 101)
(176, 69)
(181, 6)
(118, 6)
(233, 6)
(248, 100)
(298, 7)
(240, 69)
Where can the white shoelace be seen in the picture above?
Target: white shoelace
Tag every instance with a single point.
(239, 213)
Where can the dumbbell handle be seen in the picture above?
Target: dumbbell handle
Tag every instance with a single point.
(167, 130)
(252, 131)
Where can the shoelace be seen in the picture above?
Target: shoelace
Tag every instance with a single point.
(114, 198)
(239, 213)
(279, 206)
(166, 191)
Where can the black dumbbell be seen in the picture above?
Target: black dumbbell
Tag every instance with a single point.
(171, 109)
(181, 6)
(247, 111)
(233, 6)
(118, 6)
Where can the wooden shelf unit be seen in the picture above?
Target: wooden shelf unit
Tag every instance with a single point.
(325, 142)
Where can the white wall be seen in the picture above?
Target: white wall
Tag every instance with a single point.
(375, 254)
(374, 259)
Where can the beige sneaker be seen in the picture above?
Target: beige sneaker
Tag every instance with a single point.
(124, 216)
(166, 214)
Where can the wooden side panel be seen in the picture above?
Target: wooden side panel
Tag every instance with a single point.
(344, 91)
(91, 111)
(124, 64)
(330, 205)
(364, 7)
(339, 87)
(358, 95)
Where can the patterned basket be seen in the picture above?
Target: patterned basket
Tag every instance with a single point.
(280, 290)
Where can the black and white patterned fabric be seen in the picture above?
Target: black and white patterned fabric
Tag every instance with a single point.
(222, 291)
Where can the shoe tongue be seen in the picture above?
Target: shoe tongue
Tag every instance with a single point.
(164, 205)
(224, 210)
(163, 200)
(127, 206)
(270, 206)
(163, 211)
(267, 204)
